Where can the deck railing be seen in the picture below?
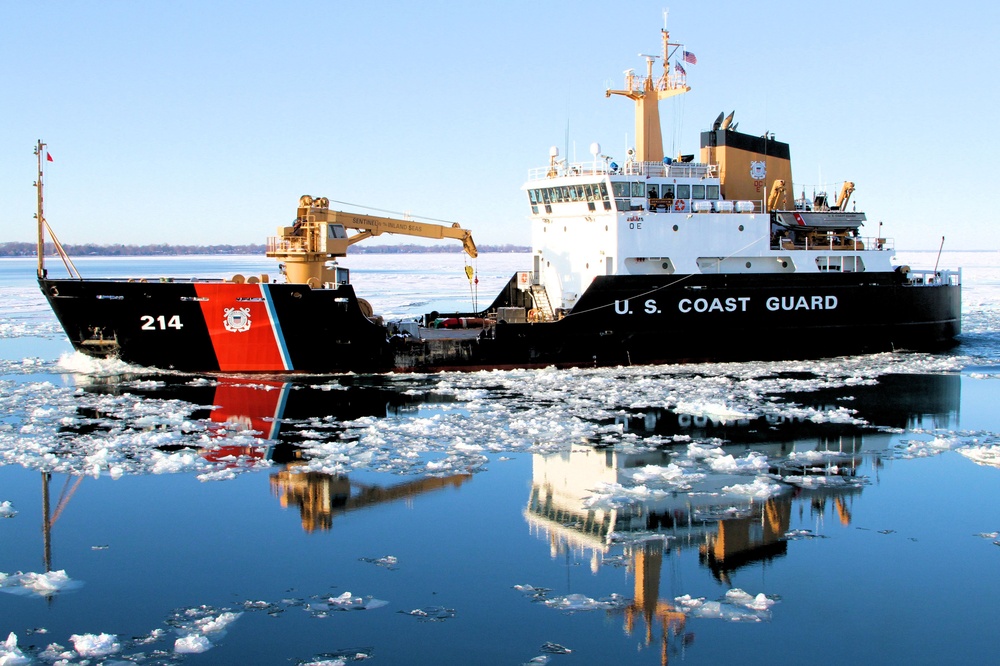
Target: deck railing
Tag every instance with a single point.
(927, 277)
(647, 169)
(838, 243)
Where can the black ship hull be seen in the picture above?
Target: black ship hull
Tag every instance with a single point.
(214, 326)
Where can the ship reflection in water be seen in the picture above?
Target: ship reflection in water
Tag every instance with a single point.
(320, 496)
(715, 495)
(592, 503)
(262, 407)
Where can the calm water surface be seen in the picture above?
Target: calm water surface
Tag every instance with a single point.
(829, 511)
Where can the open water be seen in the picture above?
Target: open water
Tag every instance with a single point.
(830, 511)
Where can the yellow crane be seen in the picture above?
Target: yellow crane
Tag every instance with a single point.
(320, 235)
(845, 195)
(777, 195)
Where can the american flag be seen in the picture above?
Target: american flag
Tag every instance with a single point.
(690, 57)
(679, 69)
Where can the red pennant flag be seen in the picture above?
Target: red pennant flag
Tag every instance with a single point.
(48, 157)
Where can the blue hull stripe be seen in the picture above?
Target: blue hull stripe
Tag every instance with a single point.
(279, 337)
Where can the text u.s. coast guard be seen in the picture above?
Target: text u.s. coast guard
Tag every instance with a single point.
(735, 304)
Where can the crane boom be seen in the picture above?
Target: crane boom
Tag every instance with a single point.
(373, 225)
(845, 195)
(320, 234)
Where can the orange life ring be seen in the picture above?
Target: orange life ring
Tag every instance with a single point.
(679, 204)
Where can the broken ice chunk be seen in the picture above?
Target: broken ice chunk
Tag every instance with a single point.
(192, 644)
(579, 602)
(95, 645)
(431, 613)
(42, 584)
(347, 601)
(10, 654)
(387, 561)
(555, 648)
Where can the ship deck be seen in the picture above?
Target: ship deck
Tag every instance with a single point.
(449, 333)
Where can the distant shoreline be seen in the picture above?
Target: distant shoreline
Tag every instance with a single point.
(18, 249)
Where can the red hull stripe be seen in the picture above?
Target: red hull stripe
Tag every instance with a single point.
(243, 407)
(239, 324)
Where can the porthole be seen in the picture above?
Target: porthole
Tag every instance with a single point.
(748, 264)
(784, 264)
(666, 265)
(741, 227)
(587, 266)
(676, 228)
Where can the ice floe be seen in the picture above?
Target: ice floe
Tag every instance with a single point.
(735, 606)
(38, 584)
(95, 645)
(387, 561)
(10, 654)
(982, 455)
(574, 603)
(192, 644)
(349, 602)
(431, 613)
(555, 648)
(761, 488)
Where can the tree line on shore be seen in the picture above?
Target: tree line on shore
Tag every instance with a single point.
(20, 249)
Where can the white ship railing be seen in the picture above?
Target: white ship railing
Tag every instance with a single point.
(650, 169)
(834, 242)
(926, 277)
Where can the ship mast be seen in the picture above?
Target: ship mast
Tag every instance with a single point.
(38, 214)
(647, 93)
(43, 225)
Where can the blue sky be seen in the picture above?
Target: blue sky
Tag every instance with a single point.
(203, 122)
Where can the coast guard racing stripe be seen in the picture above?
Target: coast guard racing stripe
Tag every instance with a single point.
(243, 327)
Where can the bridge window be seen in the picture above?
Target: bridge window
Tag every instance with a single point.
(697, 191)
(621, 189)
(638, 189)
(712, 192)
(683, 191)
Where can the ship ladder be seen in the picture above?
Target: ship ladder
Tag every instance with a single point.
(541, 300)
